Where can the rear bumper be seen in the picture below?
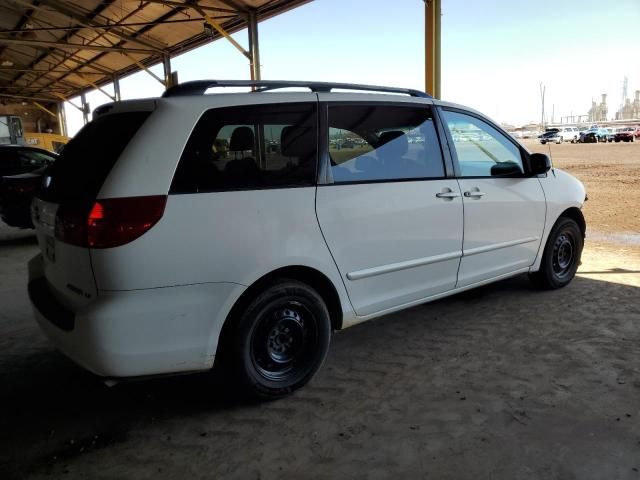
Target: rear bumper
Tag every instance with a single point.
(135, 333)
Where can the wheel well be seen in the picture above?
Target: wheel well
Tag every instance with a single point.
(576, 214)
(315, 279)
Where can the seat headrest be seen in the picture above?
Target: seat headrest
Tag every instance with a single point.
(297, 141)
(241, 139)
(394, 142)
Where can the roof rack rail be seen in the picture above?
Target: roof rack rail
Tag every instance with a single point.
(199, 87)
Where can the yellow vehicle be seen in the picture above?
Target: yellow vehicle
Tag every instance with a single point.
(48, 141)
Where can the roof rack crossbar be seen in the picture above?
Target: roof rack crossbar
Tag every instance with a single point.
(199, 87)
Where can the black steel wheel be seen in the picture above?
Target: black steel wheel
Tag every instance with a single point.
(561, 257)
(279, 340)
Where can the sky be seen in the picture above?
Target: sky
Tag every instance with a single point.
(495, 54)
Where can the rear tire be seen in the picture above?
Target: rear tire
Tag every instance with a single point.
(561, 256)
(279, 341)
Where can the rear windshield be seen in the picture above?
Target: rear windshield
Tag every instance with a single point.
(87, 159)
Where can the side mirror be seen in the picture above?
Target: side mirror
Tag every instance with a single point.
(539, 163)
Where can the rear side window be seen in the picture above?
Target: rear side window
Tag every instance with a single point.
(85, 162)
(383, 142)
(250, 147)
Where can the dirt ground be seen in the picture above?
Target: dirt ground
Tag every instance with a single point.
(611, 174)
(502, 382)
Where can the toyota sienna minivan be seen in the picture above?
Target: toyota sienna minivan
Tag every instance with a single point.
(244, 228)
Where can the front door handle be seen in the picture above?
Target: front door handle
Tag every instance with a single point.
(447, 193)
(474, 194)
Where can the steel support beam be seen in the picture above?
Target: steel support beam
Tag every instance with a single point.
(116, 88)
(42, 70)
(254, 46)
(44, 109)
(65, 99)
(189, 5)
(144, 67)
(166, 65)
(72, 46)
(85, 108)
(62, 119)
(432, 47)
(25, 97)
(221, 30)
(94, 85)
(82, 19)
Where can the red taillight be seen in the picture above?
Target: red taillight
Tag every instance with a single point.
(109, 223)
(21, 188)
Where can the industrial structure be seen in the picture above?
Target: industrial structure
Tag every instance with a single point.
(627, 113)
(598, 112)
(630, 110)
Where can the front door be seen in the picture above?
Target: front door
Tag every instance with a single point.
(391, 219)
(504, 210)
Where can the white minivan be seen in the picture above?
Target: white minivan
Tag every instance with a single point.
(244, 228)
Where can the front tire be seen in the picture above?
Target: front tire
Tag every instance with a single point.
(561, 256)
(279, 341)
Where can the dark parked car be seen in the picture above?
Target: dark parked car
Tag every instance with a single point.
(21, 171)
(628, 134)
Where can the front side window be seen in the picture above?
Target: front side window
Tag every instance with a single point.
(250, 147)
(383, 142)
(482, 150)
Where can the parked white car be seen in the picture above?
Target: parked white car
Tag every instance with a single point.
(171, 237)
(568, 134)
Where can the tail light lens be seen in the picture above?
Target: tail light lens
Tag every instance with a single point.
(20, 189)
(109, 223)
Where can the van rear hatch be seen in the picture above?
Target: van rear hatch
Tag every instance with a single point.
(61, 210)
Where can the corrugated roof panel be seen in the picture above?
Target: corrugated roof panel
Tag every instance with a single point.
(37, 38)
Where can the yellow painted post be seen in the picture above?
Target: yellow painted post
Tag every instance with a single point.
(432, 47)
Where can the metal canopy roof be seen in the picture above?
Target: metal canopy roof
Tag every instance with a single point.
(51, 50)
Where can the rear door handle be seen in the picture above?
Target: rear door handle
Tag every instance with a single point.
(447, 193)
(474, 194)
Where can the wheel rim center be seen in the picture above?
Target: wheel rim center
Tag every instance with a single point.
(563, 258)
(285, 338)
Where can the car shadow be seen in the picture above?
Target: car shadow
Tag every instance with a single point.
(17, 240)
(54, 410)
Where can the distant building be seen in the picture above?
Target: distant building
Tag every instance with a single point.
(598, 113)
(630, 110)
